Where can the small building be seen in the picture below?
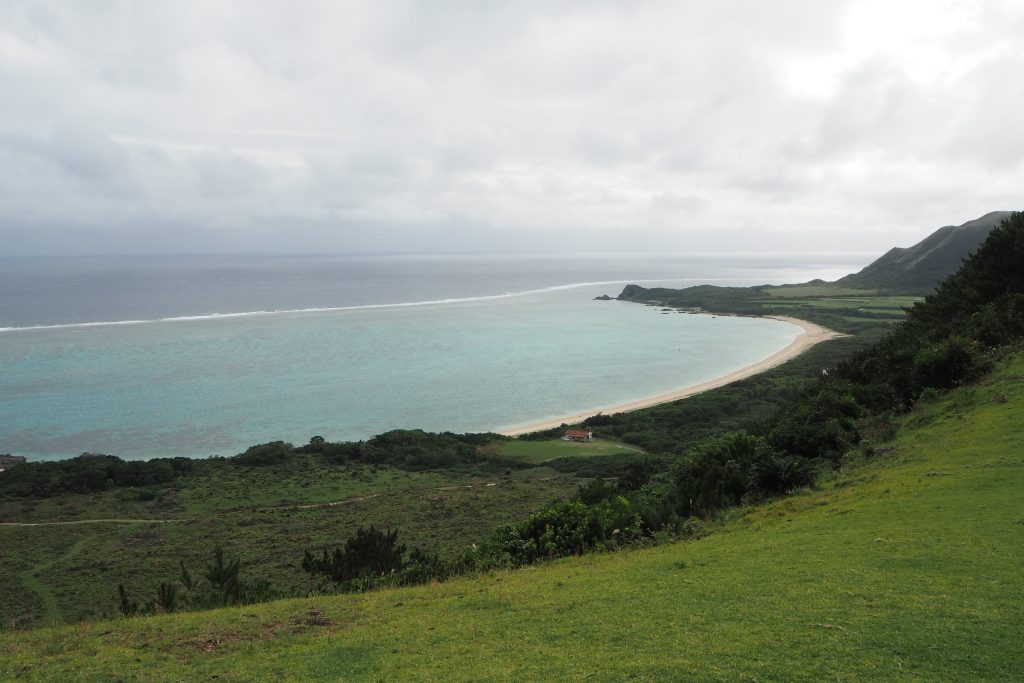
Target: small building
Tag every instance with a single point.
(579, 435)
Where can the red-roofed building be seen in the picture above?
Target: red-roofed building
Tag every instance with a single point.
(579, 435)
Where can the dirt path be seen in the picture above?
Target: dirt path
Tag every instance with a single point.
(302, 506)
(30, 579)
(111, 520)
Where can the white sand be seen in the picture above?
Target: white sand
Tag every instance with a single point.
(812, 334)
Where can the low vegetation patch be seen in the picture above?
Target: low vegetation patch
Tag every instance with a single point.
(554, 449)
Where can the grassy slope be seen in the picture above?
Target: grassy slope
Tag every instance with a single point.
(907, 568)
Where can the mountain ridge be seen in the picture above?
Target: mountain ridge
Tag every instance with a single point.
(919, 268)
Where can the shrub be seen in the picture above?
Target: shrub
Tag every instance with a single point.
(778, 474)
(372, 558)
(822, 424)
(265, 454)
(946, 364)
(565, 528)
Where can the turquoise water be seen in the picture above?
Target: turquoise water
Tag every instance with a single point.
(216, 386)
(198, 355)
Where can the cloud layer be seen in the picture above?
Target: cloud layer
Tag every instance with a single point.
(451, 126)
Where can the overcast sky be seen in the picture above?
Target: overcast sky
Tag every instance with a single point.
(479, 126)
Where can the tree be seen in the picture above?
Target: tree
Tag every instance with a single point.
(129, 608)
(370, 553)
(167, 597)
(223, 578)
(781, 474)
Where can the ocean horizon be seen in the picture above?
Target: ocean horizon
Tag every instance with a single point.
(145, 357)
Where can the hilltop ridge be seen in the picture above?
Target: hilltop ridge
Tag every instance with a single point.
(919, 268)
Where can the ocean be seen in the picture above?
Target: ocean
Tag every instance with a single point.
(192, 356)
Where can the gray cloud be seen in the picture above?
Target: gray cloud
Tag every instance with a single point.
(453, 125)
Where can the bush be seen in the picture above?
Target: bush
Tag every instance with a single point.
(373, 558)
(822, 424)
(946, 364)
(412, 449)
(596, 490)
(566, 528)
(715, 473)
(781, 474)
(266, 454)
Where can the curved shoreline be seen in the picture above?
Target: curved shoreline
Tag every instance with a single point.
(812, 334)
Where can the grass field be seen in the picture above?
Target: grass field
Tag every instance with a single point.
(825, 290)
(265, 516)
(542, 451)
(894, 305)
(906, 567)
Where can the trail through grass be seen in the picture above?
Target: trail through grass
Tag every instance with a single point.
(30, 579)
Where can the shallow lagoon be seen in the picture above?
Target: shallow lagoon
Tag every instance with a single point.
(216, 385)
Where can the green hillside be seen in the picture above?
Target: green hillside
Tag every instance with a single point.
(907, 566)
(918, 269)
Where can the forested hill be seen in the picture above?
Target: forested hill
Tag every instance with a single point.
(918, 269)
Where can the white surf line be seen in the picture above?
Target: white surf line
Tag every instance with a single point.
(332, 309)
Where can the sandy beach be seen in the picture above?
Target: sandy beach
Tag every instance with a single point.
(812, 334)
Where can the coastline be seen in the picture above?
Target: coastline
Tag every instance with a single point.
(812, 334)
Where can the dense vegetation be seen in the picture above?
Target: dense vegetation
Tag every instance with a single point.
(413, 450)
(373, 557)
(89, 472)
(948, 339)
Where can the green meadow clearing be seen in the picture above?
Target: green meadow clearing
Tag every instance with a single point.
(817, 290)
(906, 566)
(890, 305)
(543, 451)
